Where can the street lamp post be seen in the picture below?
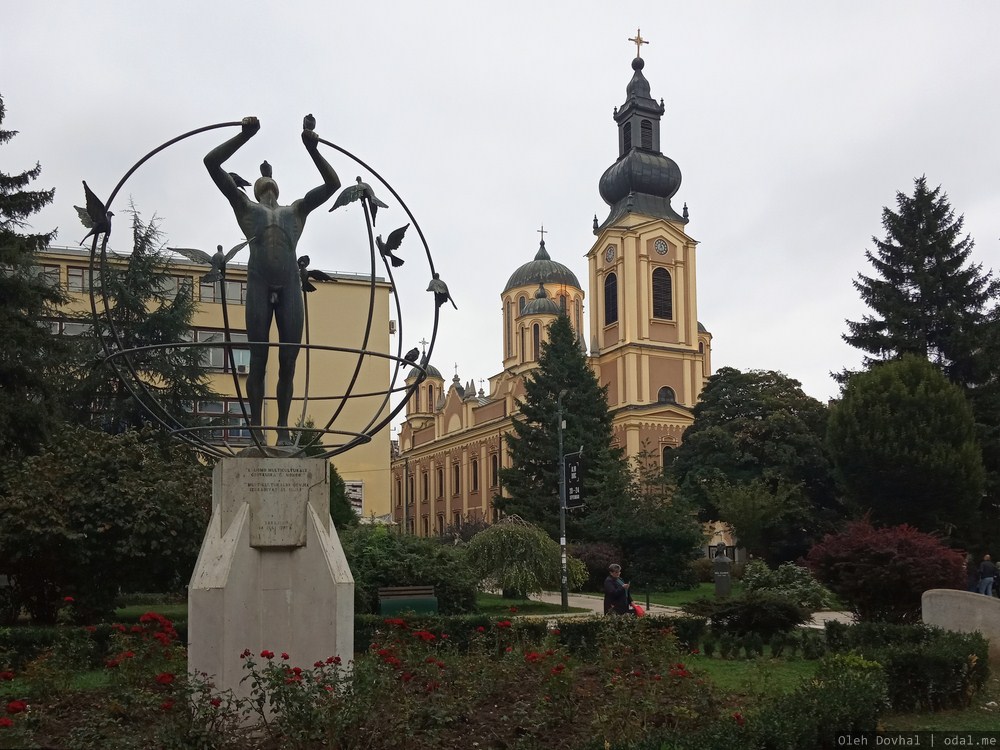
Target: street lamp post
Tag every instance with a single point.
(564, 581)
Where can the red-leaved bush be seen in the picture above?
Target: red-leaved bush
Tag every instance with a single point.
(881, 573)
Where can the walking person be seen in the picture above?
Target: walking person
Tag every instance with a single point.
(616, 596)
(987, 572)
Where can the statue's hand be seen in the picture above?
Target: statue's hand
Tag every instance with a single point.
(250, 125)
(310, 138)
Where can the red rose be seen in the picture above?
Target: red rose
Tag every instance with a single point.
(91, 628)
(265, 654)
(5, 722)
(16, 707)
(284, 656)
(69, 599)
(216, 702)
(166, 705)
(164, 678)
(6, 676)
(738, 718)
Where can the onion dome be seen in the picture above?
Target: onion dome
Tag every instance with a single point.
(542, 270)
(542, 304)
(643, 180)
(432, 372)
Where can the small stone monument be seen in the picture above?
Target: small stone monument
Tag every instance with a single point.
(722, 571)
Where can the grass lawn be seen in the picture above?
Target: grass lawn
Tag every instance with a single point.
(678, 598)
(754, 677)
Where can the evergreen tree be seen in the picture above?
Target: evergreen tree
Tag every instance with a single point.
(27, 349)
(903, 440)
(144, 309)
(758, 431)
(926, 298)
(532, 481)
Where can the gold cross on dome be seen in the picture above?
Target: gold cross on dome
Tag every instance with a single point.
(638, 41)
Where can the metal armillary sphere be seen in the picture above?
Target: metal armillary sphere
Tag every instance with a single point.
(315, 440)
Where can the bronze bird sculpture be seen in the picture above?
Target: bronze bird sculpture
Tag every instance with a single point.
(441, 293)
(307, 274)
(239, 181)
(410, 357)
(309, 122)
(95, 216)
(360, 191)
(386, 248)
(217, 261)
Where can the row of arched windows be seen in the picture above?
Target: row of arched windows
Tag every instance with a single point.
(456, 481)
(663, 296)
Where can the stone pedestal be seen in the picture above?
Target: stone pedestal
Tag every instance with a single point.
(271, 573)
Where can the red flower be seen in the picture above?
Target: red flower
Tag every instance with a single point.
(297, 670)
(91, 628)
(318, 664)
(245, 654)
(554, 631)
(5, 722)
(480, 629)
(164, 678)
(513, 610)
(166, 705)
(406, 677)
(136, 628)
(69, 599)
(6, 676)
(333, 660)
(16, 707)
(284, 656)
(119, 627)
(695, 651)
(557, 669)
(215, 702)
(503, 624)
(432, 686)
(532, 656)
(738, 718)
(424, 635)
(265, 654)
(112, 663)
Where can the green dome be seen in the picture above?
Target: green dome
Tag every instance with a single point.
(542, 270)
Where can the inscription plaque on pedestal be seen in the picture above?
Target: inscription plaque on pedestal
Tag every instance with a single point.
(277, 492)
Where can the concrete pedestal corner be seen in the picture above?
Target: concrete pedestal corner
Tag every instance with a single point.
(271, 573)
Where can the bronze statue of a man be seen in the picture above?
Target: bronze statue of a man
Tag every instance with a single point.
(274, 286)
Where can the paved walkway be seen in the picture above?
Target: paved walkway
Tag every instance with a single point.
(595, 604)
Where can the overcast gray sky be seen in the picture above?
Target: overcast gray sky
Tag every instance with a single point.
(793, 124)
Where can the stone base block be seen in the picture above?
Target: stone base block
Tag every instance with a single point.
(964, 612)
(271, 573)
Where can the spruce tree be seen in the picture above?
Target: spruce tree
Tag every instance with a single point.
(531, 483)
(926, 297)
(28, 406)
(146, 310)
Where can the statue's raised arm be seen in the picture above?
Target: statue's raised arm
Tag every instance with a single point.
(218, 155)
(331, 182)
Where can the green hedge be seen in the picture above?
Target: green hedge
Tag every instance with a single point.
(927, 668)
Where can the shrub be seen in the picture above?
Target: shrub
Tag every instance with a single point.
(762, 612)
(926, 668)
(881, 573)
(596, 557)
(790, 580)
(379, 557)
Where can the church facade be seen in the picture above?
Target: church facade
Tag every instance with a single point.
(643, 336)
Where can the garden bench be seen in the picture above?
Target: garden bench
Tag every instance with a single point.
(394, 600)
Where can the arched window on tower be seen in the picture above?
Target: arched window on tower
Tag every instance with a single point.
(416, 401)
(663, 294)
(665, 457)
(666, 395)
(475, 475)
(562, 303)
(494, 470)
(626, 137)
(509, 350)
(521, 302)
(536, 342)
(646, 134)
(610, 299)
(430, 398)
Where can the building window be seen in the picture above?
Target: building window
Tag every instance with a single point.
(610, 299)
(46, 275)
(666, 395)
(430, 398)
(626, 137)
(666, 455)
(456, 519)
(77, 279)
(427, 526)
(426, 485)
(440, 482)
(509, 349)
(399, 493)
(215, 357)
(440, 523)
(521, 302)
(236, 292)
(536, 344)
(173, 284)
(416, 401)
(226, 419)
(701, 347)
(456, 475)
(562, 304)
(494, 470)
(646, 134)
(72, 328)
(663, 294)
(474, 468)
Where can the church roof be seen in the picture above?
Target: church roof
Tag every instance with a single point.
(542, 270)
(542, 304)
